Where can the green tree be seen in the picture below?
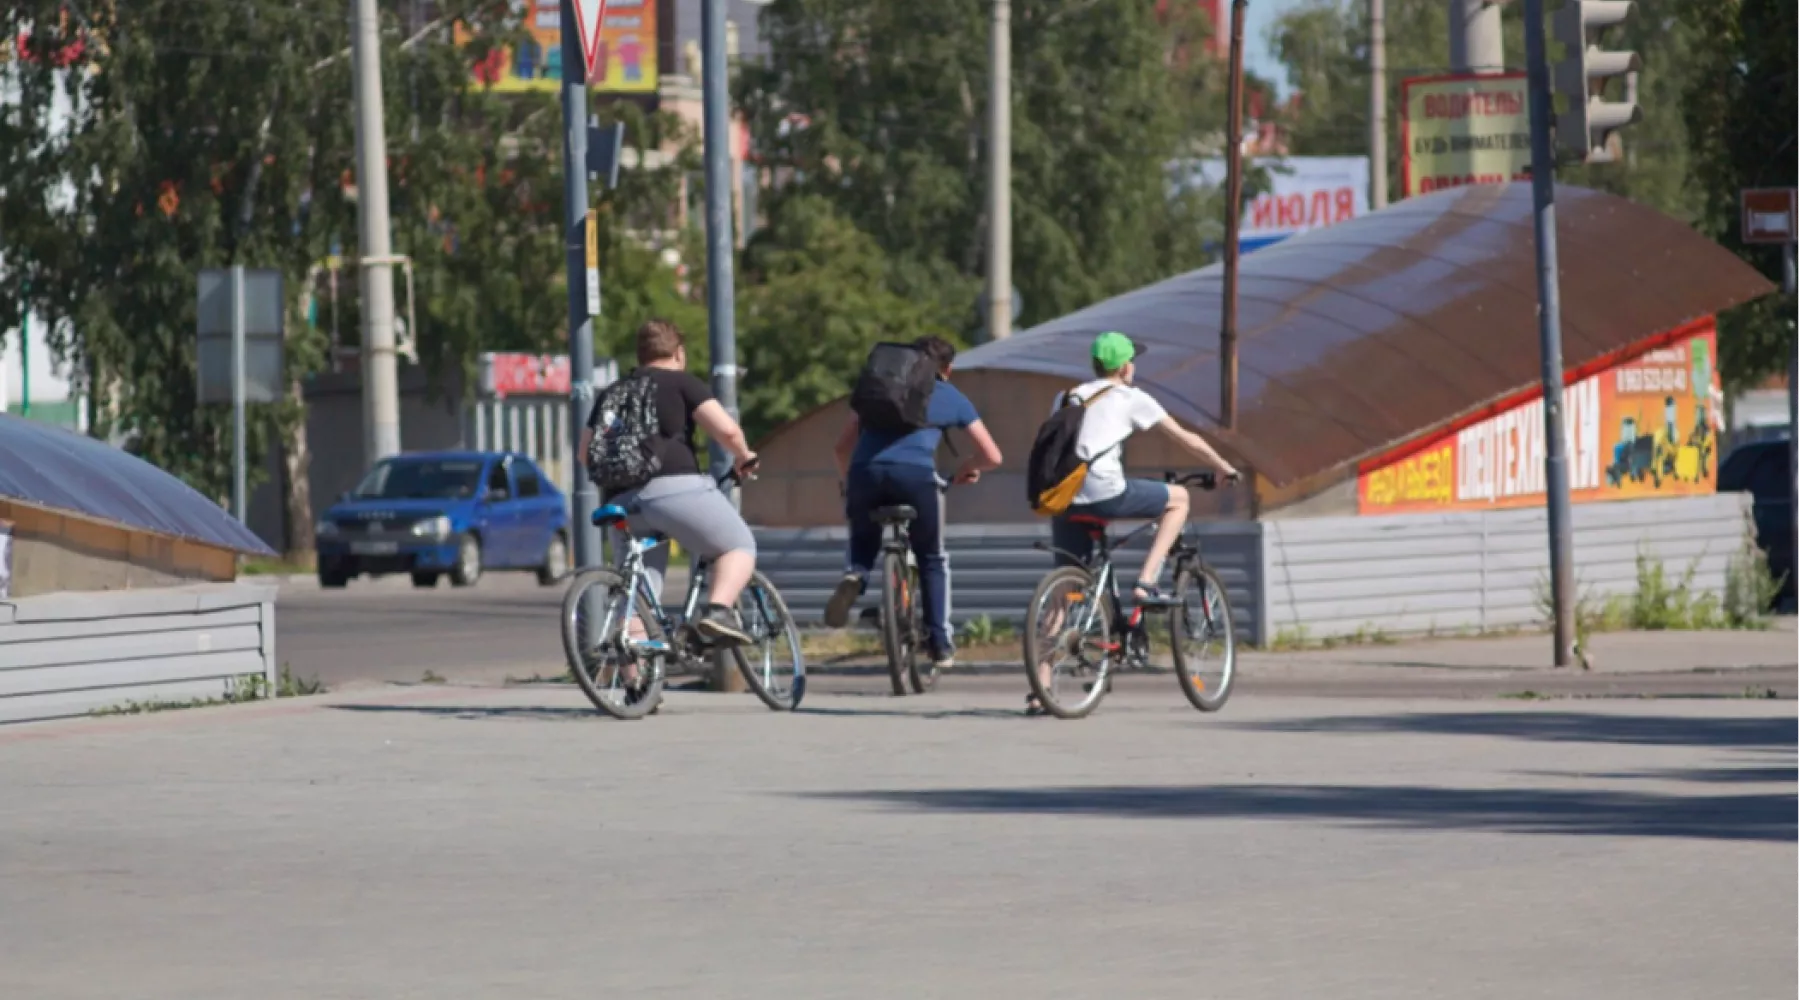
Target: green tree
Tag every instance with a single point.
(815, 299)
(1741, 120)
(879, 108)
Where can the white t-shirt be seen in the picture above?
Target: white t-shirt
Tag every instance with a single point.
(1111, 419)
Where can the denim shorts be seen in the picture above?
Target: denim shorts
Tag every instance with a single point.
(1143, 500)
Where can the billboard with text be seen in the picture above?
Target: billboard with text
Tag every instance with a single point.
(1465, 129)
(1644, 426)
(1305, 192)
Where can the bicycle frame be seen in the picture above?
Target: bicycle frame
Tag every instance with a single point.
(631, 566)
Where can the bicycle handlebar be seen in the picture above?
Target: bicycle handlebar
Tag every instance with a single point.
(1204, 480)
(731, 474)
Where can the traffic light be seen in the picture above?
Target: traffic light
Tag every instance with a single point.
(1585, 120)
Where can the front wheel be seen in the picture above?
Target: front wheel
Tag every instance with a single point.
(468, 562)
(772, 664)
(1203, 638)
(618, 664)
(556, 561)
(1068, 643)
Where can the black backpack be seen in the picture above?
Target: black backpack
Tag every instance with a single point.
(893, 393)
(1054, 472)
(622, 454)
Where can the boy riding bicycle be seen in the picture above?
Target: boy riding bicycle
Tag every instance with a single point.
(882, 467)
(1115, 411)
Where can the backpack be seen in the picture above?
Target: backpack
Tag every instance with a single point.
(893, 392)
(622, 455)
(1054, 472)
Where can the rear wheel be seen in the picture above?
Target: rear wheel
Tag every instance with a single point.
(772, 664)
(1203, 638)
(619, 667)
(897, 637)
(1068, 643)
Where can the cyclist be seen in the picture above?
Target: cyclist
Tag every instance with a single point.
(1116, 410)
(680, 500)
(879, 469)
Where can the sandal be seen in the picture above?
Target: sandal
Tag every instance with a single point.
(1034, 705)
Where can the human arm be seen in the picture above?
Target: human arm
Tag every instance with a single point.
(846, 446)
(719, 426)
(1196, 445)
(987, 454)
(581, 450)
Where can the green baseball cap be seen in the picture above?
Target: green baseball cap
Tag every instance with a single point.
(1114, 350)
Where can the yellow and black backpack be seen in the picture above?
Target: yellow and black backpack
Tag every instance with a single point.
(1054, 472)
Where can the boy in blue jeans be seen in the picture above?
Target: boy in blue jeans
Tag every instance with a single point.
(881, 469)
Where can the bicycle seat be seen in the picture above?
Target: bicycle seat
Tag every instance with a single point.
(1089, 520)
(609, 514)
(898, 514)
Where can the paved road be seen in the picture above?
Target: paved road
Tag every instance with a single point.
(446, 842)
(507, 627)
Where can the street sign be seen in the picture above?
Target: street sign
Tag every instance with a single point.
(1768, 215)
(263, 381)
(589, 15)
(593, 264)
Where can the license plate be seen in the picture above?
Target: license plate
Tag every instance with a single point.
(374, 548)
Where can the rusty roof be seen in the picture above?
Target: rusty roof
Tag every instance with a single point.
(1356, 337)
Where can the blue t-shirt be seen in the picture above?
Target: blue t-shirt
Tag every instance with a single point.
(948, 408)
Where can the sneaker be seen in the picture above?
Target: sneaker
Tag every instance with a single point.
(1155, 597)
(721, 626)
(943, 659)
(837, 609)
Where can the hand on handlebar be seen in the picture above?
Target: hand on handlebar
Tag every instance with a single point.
(745, 469)
(967, 476)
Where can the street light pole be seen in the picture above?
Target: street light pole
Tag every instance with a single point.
(582, 495)
(1556, 461)
(380, 379)
(721, 297)
(1476, 44)
(1234, 196)
(999, 262)
(1378, 177)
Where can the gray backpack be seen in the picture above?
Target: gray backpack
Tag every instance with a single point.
(622, 455)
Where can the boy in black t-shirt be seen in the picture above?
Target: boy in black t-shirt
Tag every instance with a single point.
(681, 501)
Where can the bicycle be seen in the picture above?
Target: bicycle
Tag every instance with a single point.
(1091, 631)
(623, 675)
(902, 612)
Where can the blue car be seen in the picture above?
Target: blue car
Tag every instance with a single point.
(459, 513)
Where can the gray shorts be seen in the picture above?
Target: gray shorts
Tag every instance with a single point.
(693, 511)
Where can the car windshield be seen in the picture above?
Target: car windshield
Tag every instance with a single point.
(434, 478)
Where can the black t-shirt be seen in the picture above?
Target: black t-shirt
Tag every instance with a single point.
(678, 395)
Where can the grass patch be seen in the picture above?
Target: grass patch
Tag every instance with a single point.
(1525, 696)
(515, 681)
(431, 677)
(1663, 602)
(984, 631)
(299, 564)
(238, 690)
(1295, 638)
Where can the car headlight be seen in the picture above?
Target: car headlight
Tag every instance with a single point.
(326, 528)
(432, 527)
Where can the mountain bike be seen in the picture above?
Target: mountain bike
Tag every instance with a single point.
(1074, 625)
(620, 640)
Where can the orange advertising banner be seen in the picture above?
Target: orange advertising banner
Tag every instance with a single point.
(1646, 426)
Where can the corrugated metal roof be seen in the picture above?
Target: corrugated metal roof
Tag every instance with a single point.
(1355, 337)
(60, 469)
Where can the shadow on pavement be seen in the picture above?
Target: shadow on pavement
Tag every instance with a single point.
(476, 712)
(1707, 775)
(1551, 811)
(1573, 727)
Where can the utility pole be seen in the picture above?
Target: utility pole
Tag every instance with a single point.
(1476, 45)
(582, 495)
(1234, 196)
(999, 262)
(380, 381)
(1556, 459)
(721, 296)
(1378, 181)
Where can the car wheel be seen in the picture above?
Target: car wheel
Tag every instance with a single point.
(468, 562)
(556, 561)
(425, 581)
(332, 581)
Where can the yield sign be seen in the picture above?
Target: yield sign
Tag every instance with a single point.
(588, 15)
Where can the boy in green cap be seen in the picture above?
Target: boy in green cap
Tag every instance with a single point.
(1117, 409)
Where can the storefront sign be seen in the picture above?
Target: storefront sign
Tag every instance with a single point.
(504, 375)
(1644, 427)
(1457, 130)
(1305, 192)
(624, 56)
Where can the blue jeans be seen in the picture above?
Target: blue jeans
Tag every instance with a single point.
(1143, 500)
(884, 484)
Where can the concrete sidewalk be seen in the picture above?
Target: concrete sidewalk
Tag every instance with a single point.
(448, 842)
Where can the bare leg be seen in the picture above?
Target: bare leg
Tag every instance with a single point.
(1168, 528)
(730, 574)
